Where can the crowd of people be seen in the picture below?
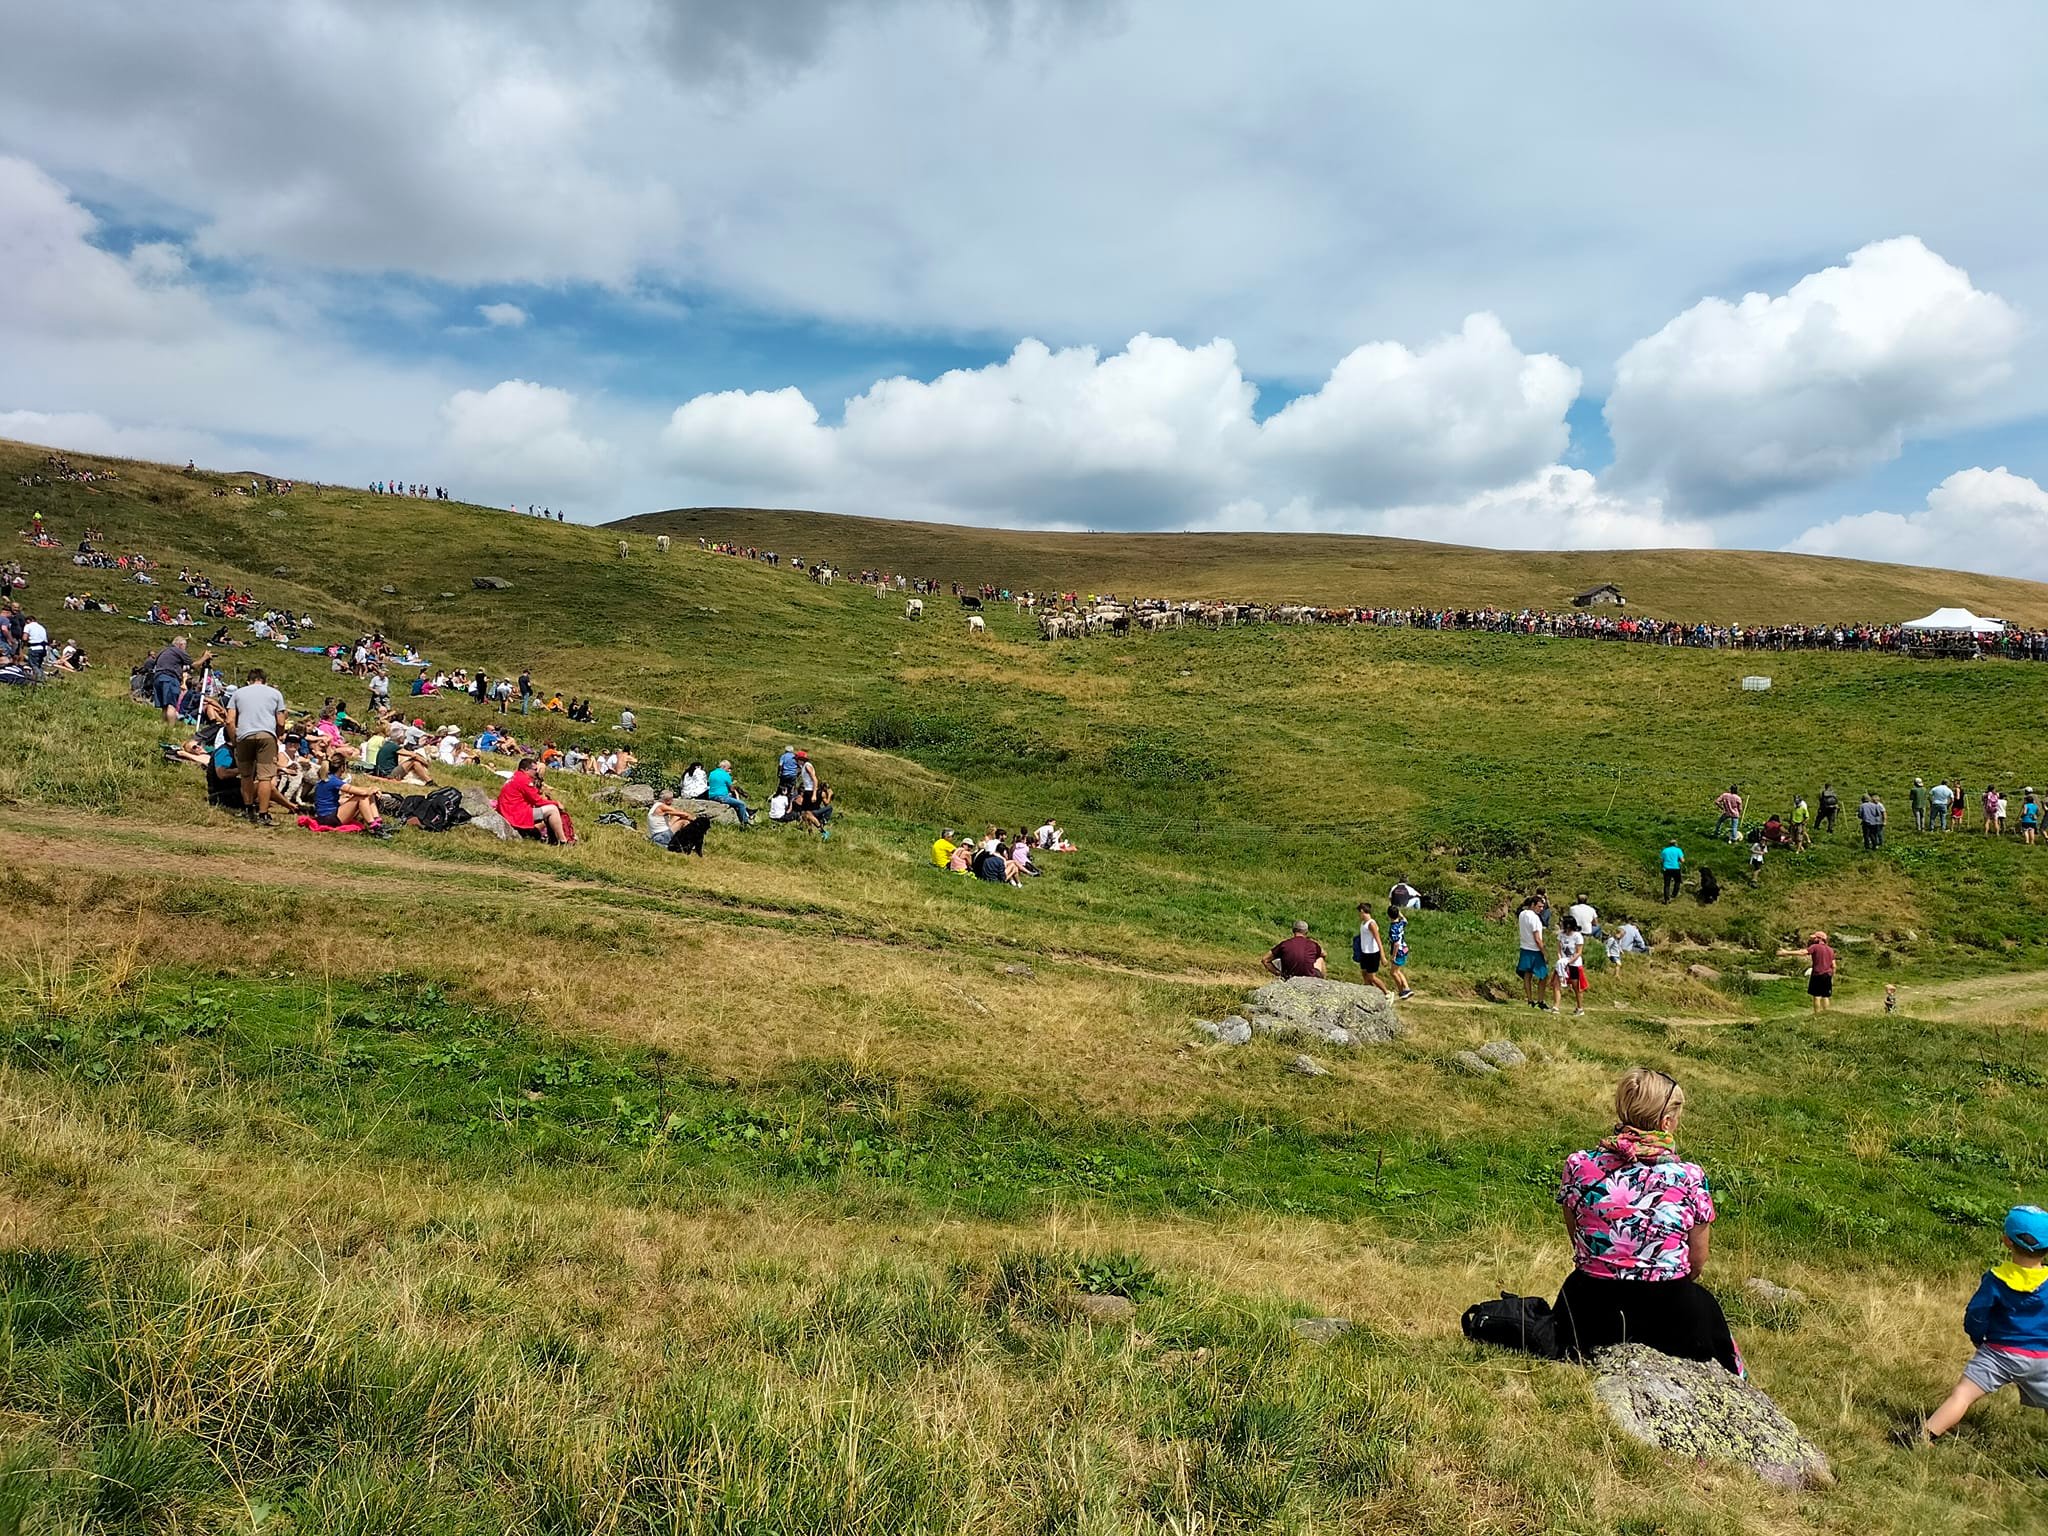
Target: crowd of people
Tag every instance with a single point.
(1008, 858)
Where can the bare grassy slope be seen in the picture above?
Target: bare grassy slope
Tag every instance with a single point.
(1718, 586)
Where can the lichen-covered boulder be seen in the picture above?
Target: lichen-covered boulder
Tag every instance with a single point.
(1316, 1008)
(1503, 1054)
(1694, 1408)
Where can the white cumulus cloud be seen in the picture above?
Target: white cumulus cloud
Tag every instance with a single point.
(502, 315)
(521, 437)
(1735, 403)
(1988, 520)
(1157, 435)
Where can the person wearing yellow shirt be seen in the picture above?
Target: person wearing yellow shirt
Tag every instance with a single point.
(942, 848)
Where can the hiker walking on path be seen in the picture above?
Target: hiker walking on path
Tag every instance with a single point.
(1917, 799)
(1871, 814)
(1828, 805)
(1367, 949)
(1820, 985)
(1639, 1217)
(1729, 803)
(1673, 861)
(1802, 818)
(1532, 960)
(1397, 946)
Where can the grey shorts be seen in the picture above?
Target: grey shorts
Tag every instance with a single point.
(1994, 1368)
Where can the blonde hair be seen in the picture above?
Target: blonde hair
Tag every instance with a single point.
(1646, 1098)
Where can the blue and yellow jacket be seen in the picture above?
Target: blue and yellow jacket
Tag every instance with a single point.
(2010, 1308)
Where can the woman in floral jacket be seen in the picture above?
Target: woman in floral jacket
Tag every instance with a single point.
(1639, 1217)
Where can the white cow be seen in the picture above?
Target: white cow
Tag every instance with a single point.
(622, 549)
(914, 609)
(661, 543)
(975, 626)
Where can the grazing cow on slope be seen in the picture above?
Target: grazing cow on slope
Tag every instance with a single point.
(914, 609)
(661, 544)
(976, 625)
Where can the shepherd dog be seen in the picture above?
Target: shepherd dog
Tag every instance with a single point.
(689, 838)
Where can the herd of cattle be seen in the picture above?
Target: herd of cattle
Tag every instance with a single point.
(1059, 618)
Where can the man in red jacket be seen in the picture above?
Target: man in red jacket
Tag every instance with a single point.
(529, 812)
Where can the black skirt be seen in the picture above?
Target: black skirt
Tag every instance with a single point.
(1674, 1317)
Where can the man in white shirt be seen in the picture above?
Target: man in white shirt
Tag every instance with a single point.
(35, 644)
(1587, 919)
(1532, 963)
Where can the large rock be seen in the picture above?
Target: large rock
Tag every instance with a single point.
(1503, 1054)
(492, 823)
(1695, 1409)
(640, 795)
(720, 813)
(489, 583)
(477, 803)
(1315, 1008)
(1473, 1063)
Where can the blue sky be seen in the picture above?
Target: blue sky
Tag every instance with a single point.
(1616, 275)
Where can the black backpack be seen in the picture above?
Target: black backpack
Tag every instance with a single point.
(442, 810)
(1513, 1322)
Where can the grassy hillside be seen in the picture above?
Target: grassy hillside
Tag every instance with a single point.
(446, 1182)
(1714, 586)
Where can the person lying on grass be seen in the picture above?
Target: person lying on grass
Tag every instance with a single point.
(2008, 1322)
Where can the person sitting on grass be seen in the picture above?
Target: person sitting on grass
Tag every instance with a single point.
(942, 848)
(2007, 1320)
(960, 860)
(1297, 955)
(529, 812)
(719, 786)
(664, 818)
(339, 803)
(1639, 1218)
(695, 782)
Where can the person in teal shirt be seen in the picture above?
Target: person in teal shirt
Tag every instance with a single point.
(1673, 859)
(720, 787)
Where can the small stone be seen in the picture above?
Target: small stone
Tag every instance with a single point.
(1321, 1330)
(1024, 971)
(1105, 1309)
(489, 583)
(1308, 1066)
(1772, 1294)
(1475, 1064)
(1702, 973)
(447, 594)
(388, 590)
(1232, 1031)
(1503, 1054)
(279, 570)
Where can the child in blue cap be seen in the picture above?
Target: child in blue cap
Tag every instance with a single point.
(2008, 1322)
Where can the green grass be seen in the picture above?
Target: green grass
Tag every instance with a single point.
(475, 1186)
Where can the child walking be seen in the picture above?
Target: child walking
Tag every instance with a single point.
(1571, 964)
(1397, 945)
(2008, 1322)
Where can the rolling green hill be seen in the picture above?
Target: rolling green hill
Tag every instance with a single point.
(453, 1184)
(1712, 586)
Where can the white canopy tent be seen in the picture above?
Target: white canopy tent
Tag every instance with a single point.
(1955, 621)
